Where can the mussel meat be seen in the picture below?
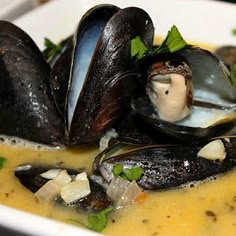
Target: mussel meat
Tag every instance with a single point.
(169, 87)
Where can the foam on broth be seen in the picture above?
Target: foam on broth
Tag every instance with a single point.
(208, 208)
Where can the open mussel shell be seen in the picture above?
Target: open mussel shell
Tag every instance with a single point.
(214, 99)
(27, 109)
(29, 176)
(166, 166)
(144, 109)
(103, 75)
(211, 78)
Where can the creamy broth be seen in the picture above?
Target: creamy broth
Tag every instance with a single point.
(207, 209)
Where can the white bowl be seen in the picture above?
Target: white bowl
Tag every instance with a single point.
(198, 20)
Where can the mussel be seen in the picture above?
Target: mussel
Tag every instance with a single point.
(94, 82)
(167, 166)
(212, 99)
(91, 82)
(100, 94)
(30, 177)
(27, 109)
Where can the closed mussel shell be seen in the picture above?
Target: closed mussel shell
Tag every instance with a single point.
(27, 109)
(167, 166)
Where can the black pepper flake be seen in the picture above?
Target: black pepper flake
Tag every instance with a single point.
(192, 185)
(231, 208)
(6, 195)
(211, 214)
(113, 221)
(166, 92)
(168, 216)
(59, 163)
(145, 221)
(13, 142)
(154, 234)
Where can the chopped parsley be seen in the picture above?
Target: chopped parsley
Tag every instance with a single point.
(118, 169)
(233, 75)
(133, 173)
(2, 162)
(95, 221)
(234, 32)
(173, 42)
(51, 49)
(98, 221)
(138, 48)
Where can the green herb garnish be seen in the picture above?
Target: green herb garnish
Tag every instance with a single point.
(98, 221)
(95, 221)
(51, 49)
(233, 75)
(2, 162)
(173, 42)
(133, 173)
(234, 32)
(138, 48)
(118, 169)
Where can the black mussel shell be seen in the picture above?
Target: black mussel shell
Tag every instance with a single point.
(135, 131)
(59, 76)
(64, 45)
(30, 177)
(210, 76)
(167, 166)
(179, 132)
(213, 97)
(27, 109)
(104, 93)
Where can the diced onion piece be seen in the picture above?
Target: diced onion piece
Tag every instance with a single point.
(117, 188)
(227, 140)
(75, 190)
(49, 190)
(23, 168)
(63, 177)
(104, 141)
(81, 176)
(130, 194)
(50, 174)
(214, 150)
